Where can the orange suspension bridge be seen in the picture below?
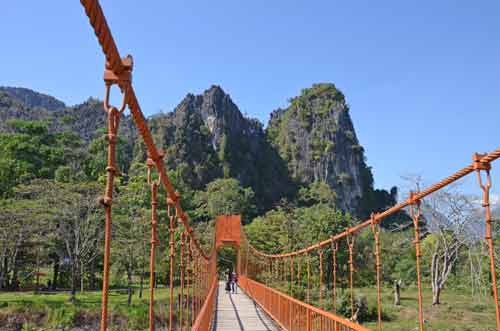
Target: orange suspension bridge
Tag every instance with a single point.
(198, 307)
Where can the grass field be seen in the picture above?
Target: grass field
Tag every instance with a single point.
(458, 311)
(56, 312)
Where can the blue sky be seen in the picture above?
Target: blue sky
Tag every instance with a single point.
(422, 77)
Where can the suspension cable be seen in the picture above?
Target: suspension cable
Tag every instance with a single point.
(154, 239)
(181, 276)
(415, 214)
(350, 246)
(335, 247)
(172, 224)
(376, 236)
(114, 115)
(321, 277)
(479, 165)
(308, 279)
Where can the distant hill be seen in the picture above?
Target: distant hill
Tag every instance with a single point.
(32, 99)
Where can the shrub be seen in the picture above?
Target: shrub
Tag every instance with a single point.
(349, 135)
(357, 148)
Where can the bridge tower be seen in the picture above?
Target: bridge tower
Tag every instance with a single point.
(228, 233)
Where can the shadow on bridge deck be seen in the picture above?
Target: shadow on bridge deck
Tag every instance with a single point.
(237, 312)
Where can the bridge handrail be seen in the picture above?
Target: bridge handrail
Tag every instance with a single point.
(288, 308)
(204, 319)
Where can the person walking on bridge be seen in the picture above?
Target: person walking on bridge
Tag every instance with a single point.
(234, 282)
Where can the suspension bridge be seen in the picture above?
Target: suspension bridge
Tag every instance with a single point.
(201, 305)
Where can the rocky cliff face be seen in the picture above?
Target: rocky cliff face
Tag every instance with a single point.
(316, 137)
(208, 137)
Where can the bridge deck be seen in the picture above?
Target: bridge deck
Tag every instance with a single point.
(237, 312)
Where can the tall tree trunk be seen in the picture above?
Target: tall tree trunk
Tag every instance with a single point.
(397, 292)
(3, 273)
(81, 277)
(14, 282)
(129, 284)
(436, 293)
(55, 276)
(74, 280)
(92, 280)
(141, 286)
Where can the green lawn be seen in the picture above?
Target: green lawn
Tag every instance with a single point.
(457, 311)
(55, 311)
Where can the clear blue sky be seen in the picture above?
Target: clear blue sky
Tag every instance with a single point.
(422, 77)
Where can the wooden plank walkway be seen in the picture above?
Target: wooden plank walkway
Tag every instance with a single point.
(237, 312)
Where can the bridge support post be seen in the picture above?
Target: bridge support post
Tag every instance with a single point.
(485, 187)
(309, 320)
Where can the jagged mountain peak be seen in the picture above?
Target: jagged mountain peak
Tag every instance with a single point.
(208, 137)
(316, 137)
(214, 101)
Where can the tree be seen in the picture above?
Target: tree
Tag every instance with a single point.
(316, 192)
(449, 214)
(225, 196)
(273, 224)
(96, 159)
(21, 221)
(31, 151)
(131, 227)
(74, 216)
(290, 228)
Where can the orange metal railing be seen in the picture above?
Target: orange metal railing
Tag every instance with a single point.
(292, 314)
(204, 320)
